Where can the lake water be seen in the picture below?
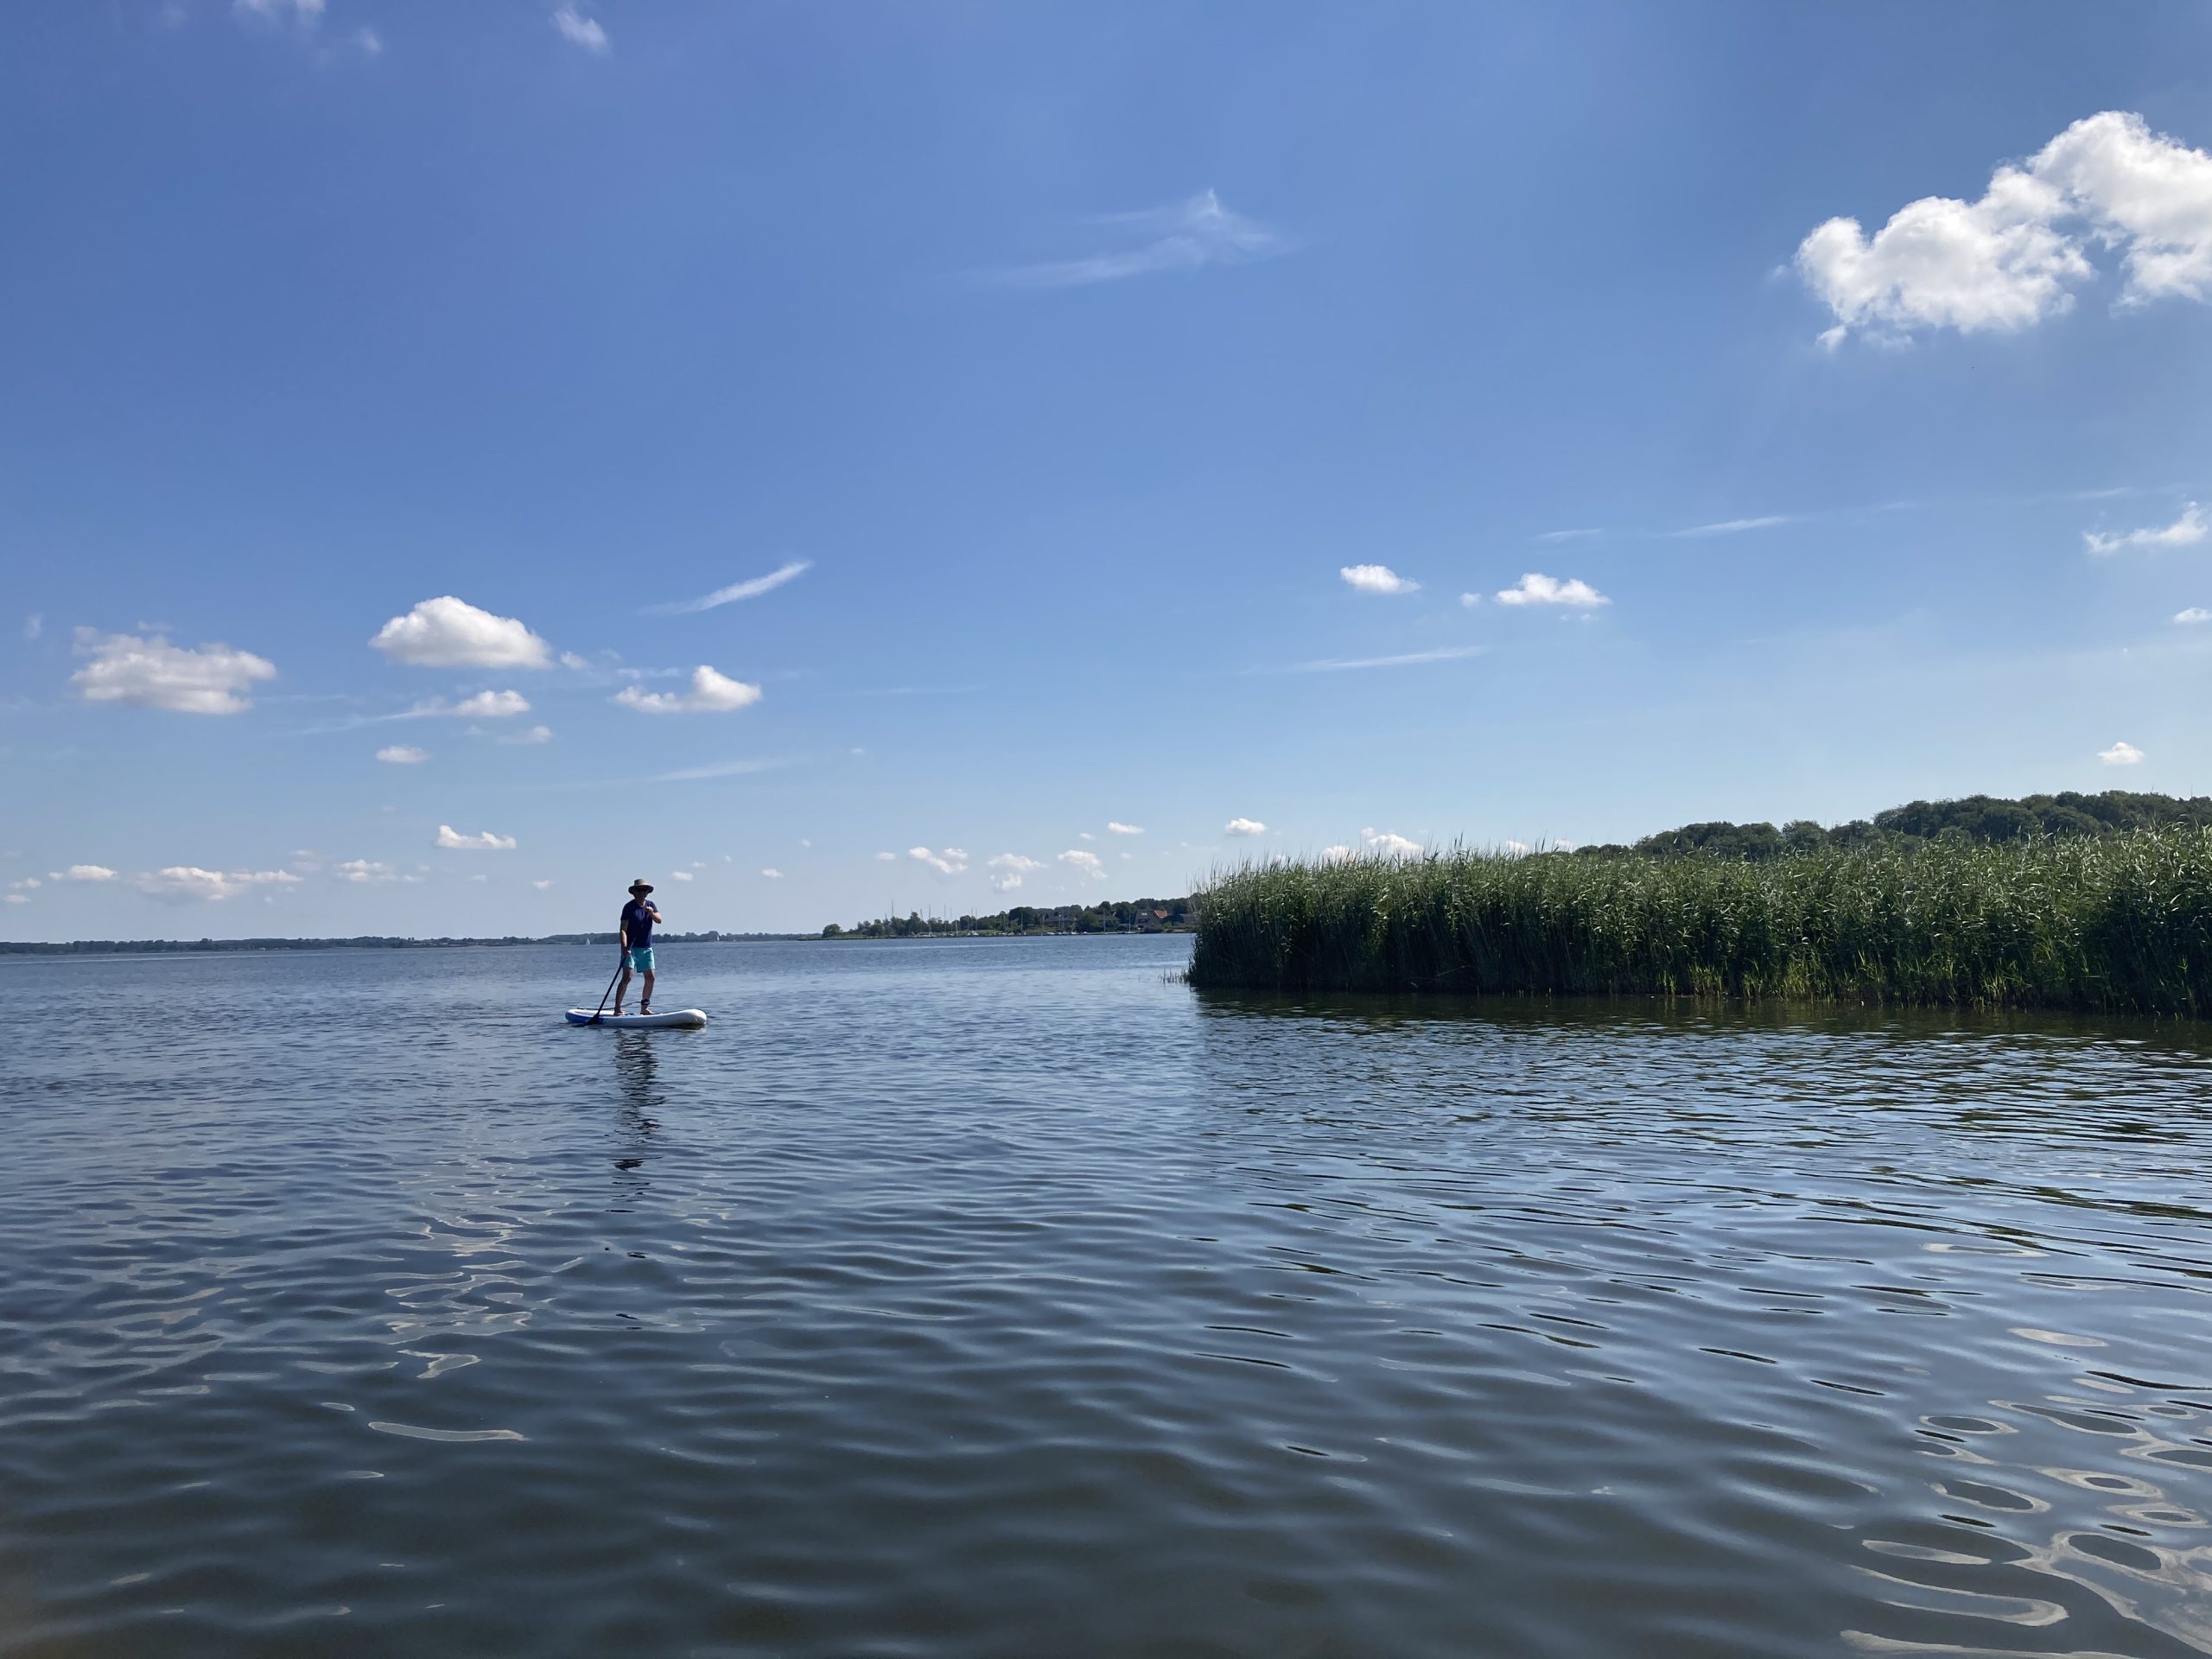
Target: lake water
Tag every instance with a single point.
(1008, 1298)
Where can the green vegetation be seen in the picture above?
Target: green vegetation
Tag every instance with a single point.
(2119, 921)
(1976, 817)
(1133, 916)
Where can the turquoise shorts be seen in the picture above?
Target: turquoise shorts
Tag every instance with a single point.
(641, 958)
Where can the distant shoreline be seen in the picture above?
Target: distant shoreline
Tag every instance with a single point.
(235, 947)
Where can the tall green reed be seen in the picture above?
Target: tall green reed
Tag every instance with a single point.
(2121, 923)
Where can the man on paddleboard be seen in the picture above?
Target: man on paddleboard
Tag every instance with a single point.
(635, 931)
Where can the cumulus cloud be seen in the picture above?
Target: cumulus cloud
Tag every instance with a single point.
(2015, 257)
(1377, 579)
(14, 898)
(1084, 864)
(1337, 854)
(2122, 753)
(752, 588)
(1471, 600)
(492, 705)
(1381, 843)
(951, 861)
(534, 734)
(1011, 867)
(2195, 614)
(711, 694)
(681, 876)
(1114, 828)
(773, 875)
(449, 633)
(1244, 827)
(152, 673)
(402, 754)
(1186, 236)
(542, 887)
(82, 873)
(485, 843)
(181, 883)
(886, 858)
(361, 871)
(575, 28)
(1535, 588)
(2185, 531)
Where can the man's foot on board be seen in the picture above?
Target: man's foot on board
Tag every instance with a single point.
(644, 1007)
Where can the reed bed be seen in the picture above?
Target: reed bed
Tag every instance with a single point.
(2121, 923)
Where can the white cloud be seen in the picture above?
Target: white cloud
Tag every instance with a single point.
(581, 30)
(773, 875)
(34, 626)
(1085, 835)
(951, 861)
(449, 633)
(486, 842)
(1338, 855)
(13, 898)
(402, 754)
(2193, 614)
(2122, 753)
(1738, 526)
(542, 885)
(1377, 579)
(752, 588)
(181, 883)
(1568, 535)
(155, 674)
(1535, 588)
(534, 734)
(1114, 828)
(492, 705)
(2185, 531)
(1014, 862)
(1005, 883)
(886, 858)
(1186, 236)
(1086, 865)
(361, 871)
(2014, 257)
(681, 876)
(306, 13)
(367, 42)
(1244, 827)
(1471, 600)
(710, 693)
(1381, 843)
(82, 873)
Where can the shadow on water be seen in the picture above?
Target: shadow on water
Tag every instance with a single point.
(1642, 1016)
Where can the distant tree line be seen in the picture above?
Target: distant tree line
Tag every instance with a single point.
(1979, 818)
(1131, 916)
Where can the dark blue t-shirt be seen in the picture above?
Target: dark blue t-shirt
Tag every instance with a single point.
(638, 922)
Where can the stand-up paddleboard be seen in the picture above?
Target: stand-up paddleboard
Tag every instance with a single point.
(638, 1021)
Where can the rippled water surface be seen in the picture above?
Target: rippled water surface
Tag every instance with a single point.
(1008, 1298)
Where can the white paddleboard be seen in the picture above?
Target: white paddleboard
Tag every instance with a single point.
(638, 1021)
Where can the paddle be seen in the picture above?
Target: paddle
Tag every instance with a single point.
(603, 994)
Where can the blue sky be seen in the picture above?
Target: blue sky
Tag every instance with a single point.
(1127, 396)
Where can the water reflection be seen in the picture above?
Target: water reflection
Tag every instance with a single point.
(637, 1080)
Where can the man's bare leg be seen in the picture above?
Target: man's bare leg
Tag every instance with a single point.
(646, 1002)
(623, 990)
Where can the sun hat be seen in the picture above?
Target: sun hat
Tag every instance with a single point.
(641, 883)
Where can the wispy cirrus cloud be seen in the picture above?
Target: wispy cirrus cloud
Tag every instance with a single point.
(751, 588)
(1738, 526)
(2185, 531)
(1404, 659)
(1187, 235)
(579, 29)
